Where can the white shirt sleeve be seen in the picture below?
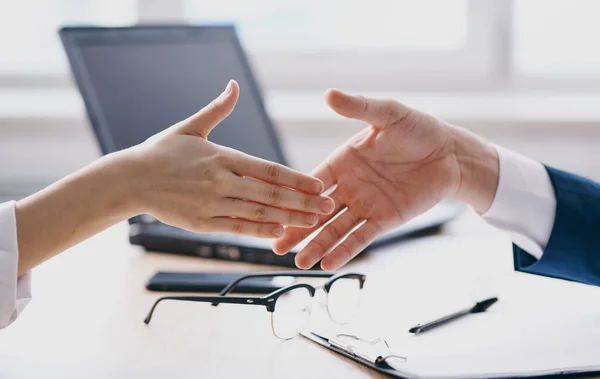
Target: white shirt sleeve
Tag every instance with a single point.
(15, 292)
(525, 203)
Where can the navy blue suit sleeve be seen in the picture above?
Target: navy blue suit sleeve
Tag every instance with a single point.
(573, 250)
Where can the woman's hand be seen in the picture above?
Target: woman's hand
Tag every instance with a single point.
(184, 180)
(178, 177)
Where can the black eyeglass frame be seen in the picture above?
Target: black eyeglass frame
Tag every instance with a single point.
(269, 301)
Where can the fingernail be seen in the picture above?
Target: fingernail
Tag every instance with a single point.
(278, 231)
(228, 88)
(311, 219)
(299, 265)
(327, 205)
(324, 267)
(318, 187)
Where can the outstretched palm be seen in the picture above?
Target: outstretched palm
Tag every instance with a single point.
(393, 170)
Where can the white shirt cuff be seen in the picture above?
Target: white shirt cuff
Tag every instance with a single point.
(15, 292)
(525, 203)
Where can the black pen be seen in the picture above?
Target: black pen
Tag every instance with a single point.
(477, 308)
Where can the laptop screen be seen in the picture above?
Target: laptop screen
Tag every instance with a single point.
(138, 81)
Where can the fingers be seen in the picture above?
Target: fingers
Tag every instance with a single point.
(280, 197)
(276, 173)
(201, 123)
(264, 213)
(325, 174)
(245, 227)
(327, 239)
(377, 112)
(356, 242)
(293, 236)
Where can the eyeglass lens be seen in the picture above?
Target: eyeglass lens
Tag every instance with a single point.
(292, 313)
(343, 300)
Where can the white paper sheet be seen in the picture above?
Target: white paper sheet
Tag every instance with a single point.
(539, 326)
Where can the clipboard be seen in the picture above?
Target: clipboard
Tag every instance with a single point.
(377, 362)
(380, 361)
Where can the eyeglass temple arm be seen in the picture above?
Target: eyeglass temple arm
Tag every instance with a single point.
(298, 274)
(208, 299)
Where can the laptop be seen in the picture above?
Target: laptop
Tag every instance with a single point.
(137, 81)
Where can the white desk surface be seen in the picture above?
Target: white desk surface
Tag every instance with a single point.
(85, 320)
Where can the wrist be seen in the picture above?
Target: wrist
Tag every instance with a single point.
(120, 175)
(479, 170)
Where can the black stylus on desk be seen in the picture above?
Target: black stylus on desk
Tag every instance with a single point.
(477, 308)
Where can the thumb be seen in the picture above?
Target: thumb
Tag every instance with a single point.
(201, 123)
(380, 113)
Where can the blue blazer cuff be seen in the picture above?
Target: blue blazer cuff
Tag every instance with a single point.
(573, 250)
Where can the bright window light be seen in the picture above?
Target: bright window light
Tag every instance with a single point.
(29, 29)
(557, 37)
(425, 25)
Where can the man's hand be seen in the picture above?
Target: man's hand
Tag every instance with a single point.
(403, 164)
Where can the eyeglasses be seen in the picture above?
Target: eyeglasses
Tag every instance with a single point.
(290, 307)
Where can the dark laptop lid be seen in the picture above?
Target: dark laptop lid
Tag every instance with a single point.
(138, 81)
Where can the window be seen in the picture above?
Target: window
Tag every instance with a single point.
(28, 30)
(351, 25)
(375, 45)
(557, 37)
(379, 44)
